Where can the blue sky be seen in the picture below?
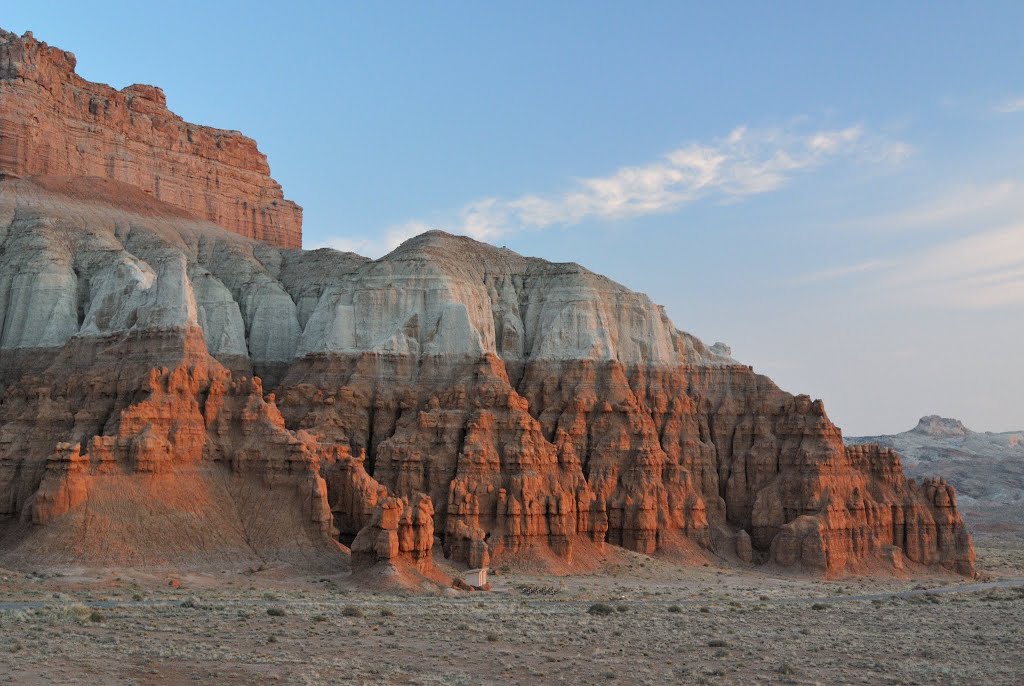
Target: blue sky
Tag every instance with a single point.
(834, 189)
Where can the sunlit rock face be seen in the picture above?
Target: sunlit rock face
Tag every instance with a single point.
(181, 383)
(525, 405)
(53, 122)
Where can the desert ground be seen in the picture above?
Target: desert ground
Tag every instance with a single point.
(636, 620)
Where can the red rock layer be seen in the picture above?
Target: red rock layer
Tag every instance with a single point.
(384, 450)
(399, 532)
(629, 456)
(141, 448)
(55, 123)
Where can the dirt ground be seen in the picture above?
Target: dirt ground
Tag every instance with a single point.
(663, 624)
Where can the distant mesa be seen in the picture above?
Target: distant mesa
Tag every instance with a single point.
(934, 425)
(987, 468)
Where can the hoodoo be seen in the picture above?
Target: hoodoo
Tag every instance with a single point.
(179, 383)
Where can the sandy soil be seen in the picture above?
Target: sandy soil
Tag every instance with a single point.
(666, 624)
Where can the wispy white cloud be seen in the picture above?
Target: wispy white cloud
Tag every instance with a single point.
(964, 207)
(745, 162)
(985, 270)
(1010, 106)
(973, 258)
(842, 271)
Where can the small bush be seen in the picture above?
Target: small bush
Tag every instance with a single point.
(276, 611)
(819, 606)
(718, 643)
(600, 609)
(622, 608)
(97, 616)
(387, 613)
(674, 608)
(705, 610)
(351, 611)
(319, 618)
(492, 637)
(786, 668)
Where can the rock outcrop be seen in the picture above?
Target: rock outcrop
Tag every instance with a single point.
(399, 532)
(987, 468)
(55, 123)
(171, 389)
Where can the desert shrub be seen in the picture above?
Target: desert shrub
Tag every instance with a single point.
(537, 589)
(600, 609)
(351, 611)
(276, 611)
(674, 608)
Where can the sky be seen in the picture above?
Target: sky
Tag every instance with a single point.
(836, 190)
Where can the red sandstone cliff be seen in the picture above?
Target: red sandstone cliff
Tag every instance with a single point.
(170, 390)
(53, 122)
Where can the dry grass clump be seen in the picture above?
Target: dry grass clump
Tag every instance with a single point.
(351, 611)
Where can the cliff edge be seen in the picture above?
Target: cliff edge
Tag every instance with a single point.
(55, 123)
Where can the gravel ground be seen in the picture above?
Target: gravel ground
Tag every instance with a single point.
(663, 624)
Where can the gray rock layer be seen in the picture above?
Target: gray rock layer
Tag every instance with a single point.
(85, 266)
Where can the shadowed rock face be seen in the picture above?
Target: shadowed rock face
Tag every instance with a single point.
(53, 122)
(516, 403)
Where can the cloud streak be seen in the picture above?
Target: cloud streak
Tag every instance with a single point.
(979, 264)
(842, 271)
(1011, 106)
(982, 271)
(746, 162)
(963, 207)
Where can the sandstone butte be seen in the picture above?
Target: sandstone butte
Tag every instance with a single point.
(176, 392)
(55, 123)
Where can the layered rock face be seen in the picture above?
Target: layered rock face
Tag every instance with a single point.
(179, 384)
(502, 404)
(55, 123)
